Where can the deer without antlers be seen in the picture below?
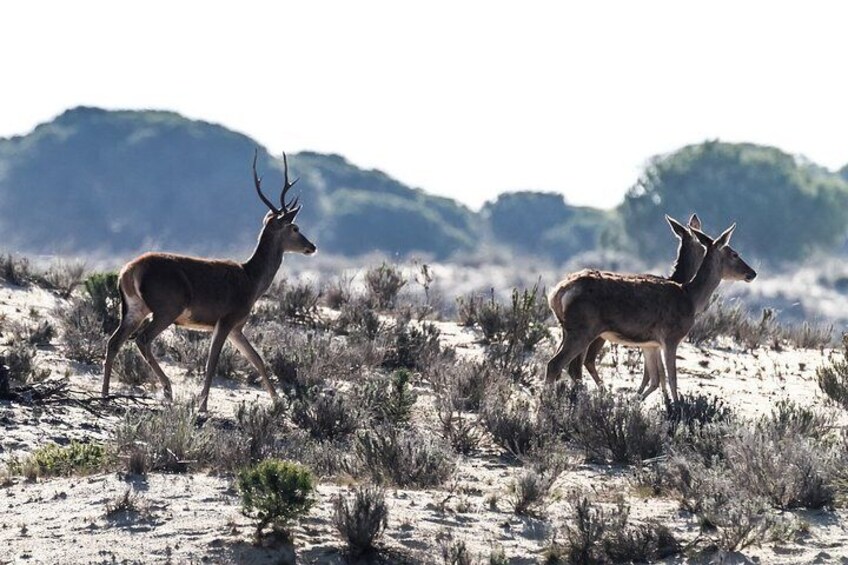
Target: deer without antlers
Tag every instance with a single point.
(690, 253)
(640, 310)
(160, 289)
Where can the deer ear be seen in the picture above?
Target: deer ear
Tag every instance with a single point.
(695, 222)
(724, 238)
(705, 240)
(678, 229)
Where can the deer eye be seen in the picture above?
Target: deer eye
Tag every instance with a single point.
(295, 229)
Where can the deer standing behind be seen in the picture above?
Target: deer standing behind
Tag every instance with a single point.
(640, 310)
(160, 289)
(690, 253)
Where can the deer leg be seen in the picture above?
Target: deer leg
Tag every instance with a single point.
(671, 364)
(572, 347)
(245, 348)
(130, 322)
(649, 354)
(554, 368)
(219, 336)
(575, 369)
(144, 339)
(591, 355)
(654, 371)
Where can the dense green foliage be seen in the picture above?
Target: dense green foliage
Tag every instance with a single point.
(539, 223)
(53, 460)
(276, 492)
(784, 206)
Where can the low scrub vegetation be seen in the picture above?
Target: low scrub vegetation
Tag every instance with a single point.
(170, 440)
(603, 534)
(404, 457)
(723, 319)
(510, 331)
(361, 518)
(833, 377)
(62, 461)
(383, 285)
(612, 427)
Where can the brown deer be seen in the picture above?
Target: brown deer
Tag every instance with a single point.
(640, 310)
(690, 253)
(160, 289)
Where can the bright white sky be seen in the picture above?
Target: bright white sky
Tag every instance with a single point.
(465, 99)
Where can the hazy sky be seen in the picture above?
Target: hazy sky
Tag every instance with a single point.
(465, 99)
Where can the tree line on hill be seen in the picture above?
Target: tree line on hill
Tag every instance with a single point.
(116, 182)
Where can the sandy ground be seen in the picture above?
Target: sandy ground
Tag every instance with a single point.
(195, 518)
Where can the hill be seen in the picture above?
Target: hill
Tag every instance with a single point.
(121, 181)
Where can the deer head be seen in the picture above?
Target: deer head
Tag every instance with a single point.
(279, 222)
(724, 258)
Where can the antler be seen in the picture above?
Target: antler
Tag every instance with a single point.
(257, 180)
(286, 187)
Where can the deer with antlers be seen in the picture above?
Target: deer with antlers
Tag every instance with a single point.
(690, 253)
(160, 289)
(640, 310)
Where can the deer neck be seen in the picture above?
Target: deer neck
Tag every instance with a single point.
(702, 286)
(263, 264)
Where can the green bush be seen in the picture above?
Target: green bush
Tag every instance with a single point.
(102, 290)
(58, 461)
(275, 492)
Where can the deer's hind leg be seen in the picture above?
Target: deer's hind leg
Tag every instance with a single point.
(654, 371)
(160, 322)
(573, 346)
(133, 314)
(592, 353)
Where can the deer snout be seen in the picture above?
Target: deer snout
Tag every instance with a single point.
(310, 249)
(750, 275)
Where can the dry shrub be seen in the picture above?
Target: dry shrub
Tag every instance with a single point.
(408, 345)
(132, 369)
(82, 331)
(327, 414)
(612, 427)
(465, 380)
(404, 457)
(387, 398)
(296, 303)
(383, 285)
(597, 534)
(16, 271)
(736, 322)
(20, 358)
(361, 519)
(170, 439)
(512, 423)
(833, 378)
(460, 429)
(63, 277)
